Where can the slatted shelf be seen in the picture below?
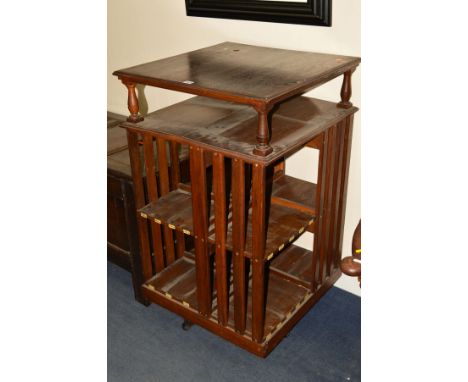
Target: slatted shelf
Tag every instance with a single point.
(294, 193)
(294, 264)
(178, 282)
(286, 220)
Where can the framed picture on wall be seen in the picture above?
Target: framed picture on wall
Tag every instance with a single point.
(310, 12)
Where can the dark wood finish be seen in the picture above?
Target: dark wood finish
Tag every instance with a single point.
(356, 243)
(133, 105)
(178, 281)
(315, 12)
(351, 265)
(227, 128)
(241, 73)
(152, 190)
(333, 194)
(259, 230)
(135, 160)
(116, 140)
(200, 228)
(346, 90)
(285, 223)
(322, 142)
(263, 132)
(222, 279)
(347, 142)
(122, 233)
(165, 188)
(239, 204)
(294, 193)
(245, 74)
(228, 333)
(295, 265)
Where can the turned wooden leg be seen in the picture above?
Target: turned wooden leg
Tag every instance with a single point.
(133, 105)
(346, 91)
(263, 147)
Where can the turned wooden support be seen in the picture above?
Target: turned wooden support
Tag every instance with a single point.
(346, 90)
(263, 147)
(133, 105)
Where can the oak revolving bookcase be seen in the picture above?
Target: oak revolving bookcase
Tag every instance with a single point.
(219, 249)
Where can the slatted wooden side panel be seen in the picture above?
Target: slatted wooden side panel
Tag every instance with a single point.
(321, 145)
(334, 196)
(200, 225)
(337, 195)
(222, 280)
(331, 199)
(259, 185)
(139, 194)
(346, 143)
(164, 189)
(238, 232)
(175, 180)
(152, 191)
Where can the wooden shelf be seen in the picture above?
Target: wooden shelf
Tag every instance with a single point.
(287, 220)
(294, 264)
(285, 225)
(229, 128)
(178, 283)
(294, 193)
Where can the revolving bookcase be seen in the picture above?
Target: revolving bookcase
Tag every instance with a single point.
(218, 249)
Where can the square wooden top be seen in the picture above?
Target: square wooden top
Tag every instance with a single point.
(241, 73)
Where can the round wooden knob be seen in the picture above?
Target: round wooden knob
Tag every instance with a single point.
(351, 267)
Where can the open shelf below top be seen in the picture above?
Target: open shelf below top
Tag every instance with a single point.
(230, 128)
(287, 220)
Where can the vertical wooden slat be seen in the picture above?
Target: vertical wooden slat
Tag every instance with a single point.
(200, 227)
(238, 243)
(175, 165)
(347, 142)
(334, 195)
(222, 284)
(164, 187)
(258, 251)
(175, 180)
(152, 188)
(319, 196)
(324, 197)
(328, 184)
(137, 175)
(280, 167)
(338, 189)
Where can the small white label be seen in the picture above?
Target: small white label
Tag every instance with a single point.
(188, 82)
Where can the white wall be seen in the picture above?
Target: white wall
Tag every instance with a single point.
(145, 30)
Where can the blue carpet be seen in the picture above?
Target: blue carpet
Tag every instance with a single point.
(148, 344)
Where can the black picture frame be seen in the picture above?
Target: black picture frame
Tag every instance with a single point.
(312, 12)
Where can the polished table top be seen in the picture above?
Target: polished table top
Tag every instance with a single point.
(241, 73)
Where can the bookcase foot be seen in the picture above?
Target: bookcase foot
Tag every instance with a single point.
(187, 325)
